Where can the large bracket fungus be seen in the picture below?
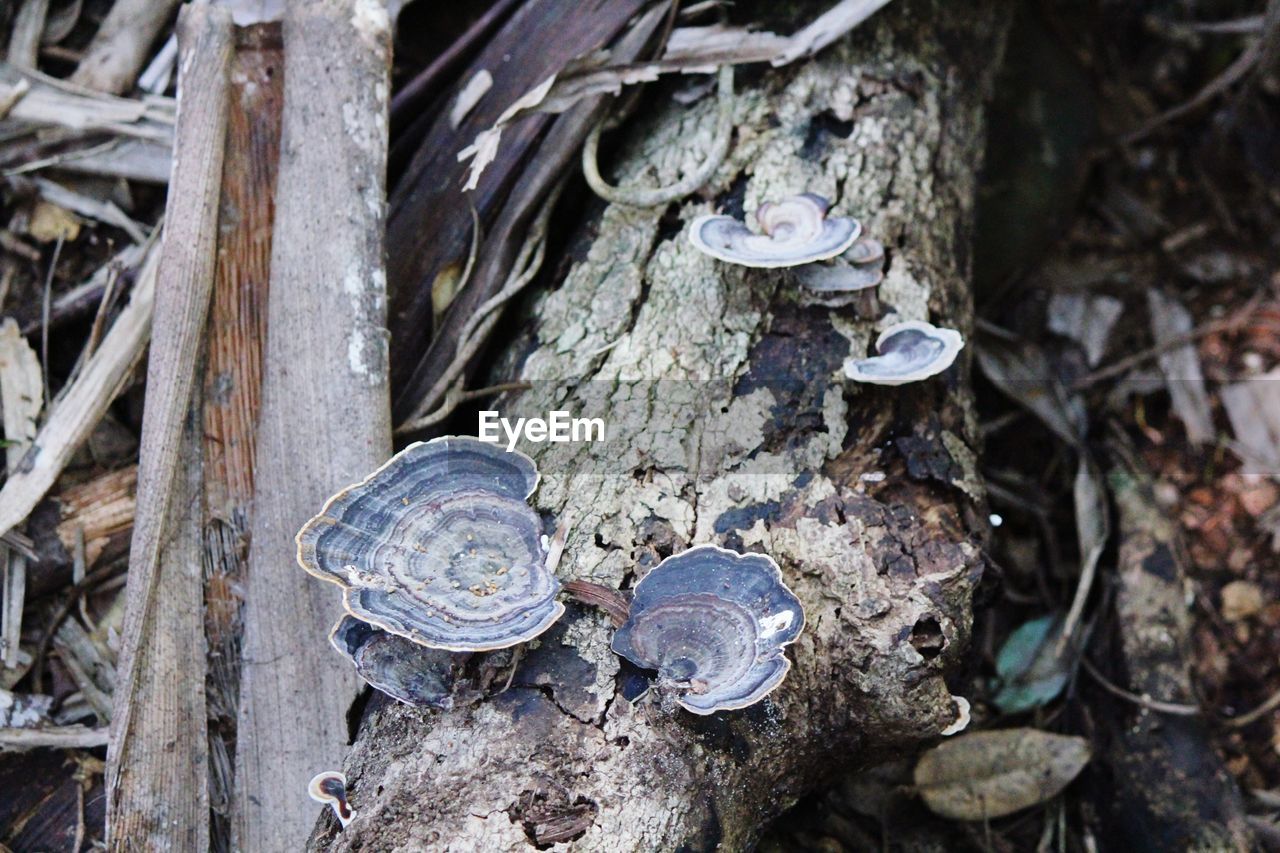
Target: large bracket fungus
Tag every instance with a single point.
(713, 623)
(400, 668)
(440, 546)
(796, 230)
(908, 352)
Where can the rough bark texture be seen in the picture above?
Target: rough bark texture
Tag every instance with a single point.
(729, 422)
(325, 413)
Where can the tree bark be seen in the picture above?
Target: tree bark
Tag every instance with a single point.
(728, 421)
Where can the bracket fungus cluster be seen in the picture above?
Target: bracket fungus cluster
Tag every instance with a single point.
(713, 623)
(438, 551)
(439, 547)
(907, 352)
(796, 230)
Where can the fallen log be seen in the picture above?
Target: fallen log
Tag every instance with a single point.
(729, 421)
(1166, 786)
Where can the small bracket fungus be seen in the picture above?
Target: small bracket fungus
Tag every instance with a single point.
(796, 230)
(440, 545)
(330, 787)
(714, 624)
(400, 668)
(841, 280)
(908, 352)
(961, 722)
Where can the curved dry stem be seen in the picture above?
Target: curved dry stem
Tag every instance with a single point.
(657, 196)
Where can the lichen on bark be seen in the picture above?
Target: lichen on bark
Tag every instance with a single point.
(728, 421)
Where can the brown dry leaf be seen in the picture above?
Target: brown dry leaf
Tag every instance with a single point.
(1240, 600)
(992, 774)
(49, 222)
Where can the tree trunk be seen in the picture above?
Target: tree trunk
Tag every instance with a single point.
(728, 421)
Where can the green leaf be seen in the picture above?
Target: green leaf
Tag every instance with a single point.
(1033, 666)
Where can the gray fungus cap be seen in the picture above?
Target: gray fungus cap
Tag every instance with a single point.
(796, 230)
(907, 352)
(440, 546)
(713, 623)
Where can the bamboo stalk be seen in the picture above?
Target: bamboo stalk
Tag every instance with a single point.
(327, 352)
(157, 782)
(237, 336)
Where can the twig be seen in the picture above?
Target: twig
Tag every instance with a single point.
(103, 211)
(82, 404)
(456, 398)
(24, 39)
(10, 95)
(657, 196)
(1235, 26)
(46, 300)
(1251, 717)
(119, 48)
(611, 601)
(1226, 324)
(59, 613)
(1173, 708)
(60, 737)
(21, 385)
(157, 732)
(1229, 77)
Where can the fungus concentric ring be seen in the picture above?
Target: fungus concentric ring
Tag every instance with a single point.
(714, 624)
(907, 352)
(796, 230)
(440, 546)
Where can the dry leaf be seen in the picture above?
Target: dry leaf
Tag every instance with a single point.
(1253, 407)
(1240, 600)
(21, 389)
(1181, 366)
(1085, 319)
(992, 774)
(49, 222)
